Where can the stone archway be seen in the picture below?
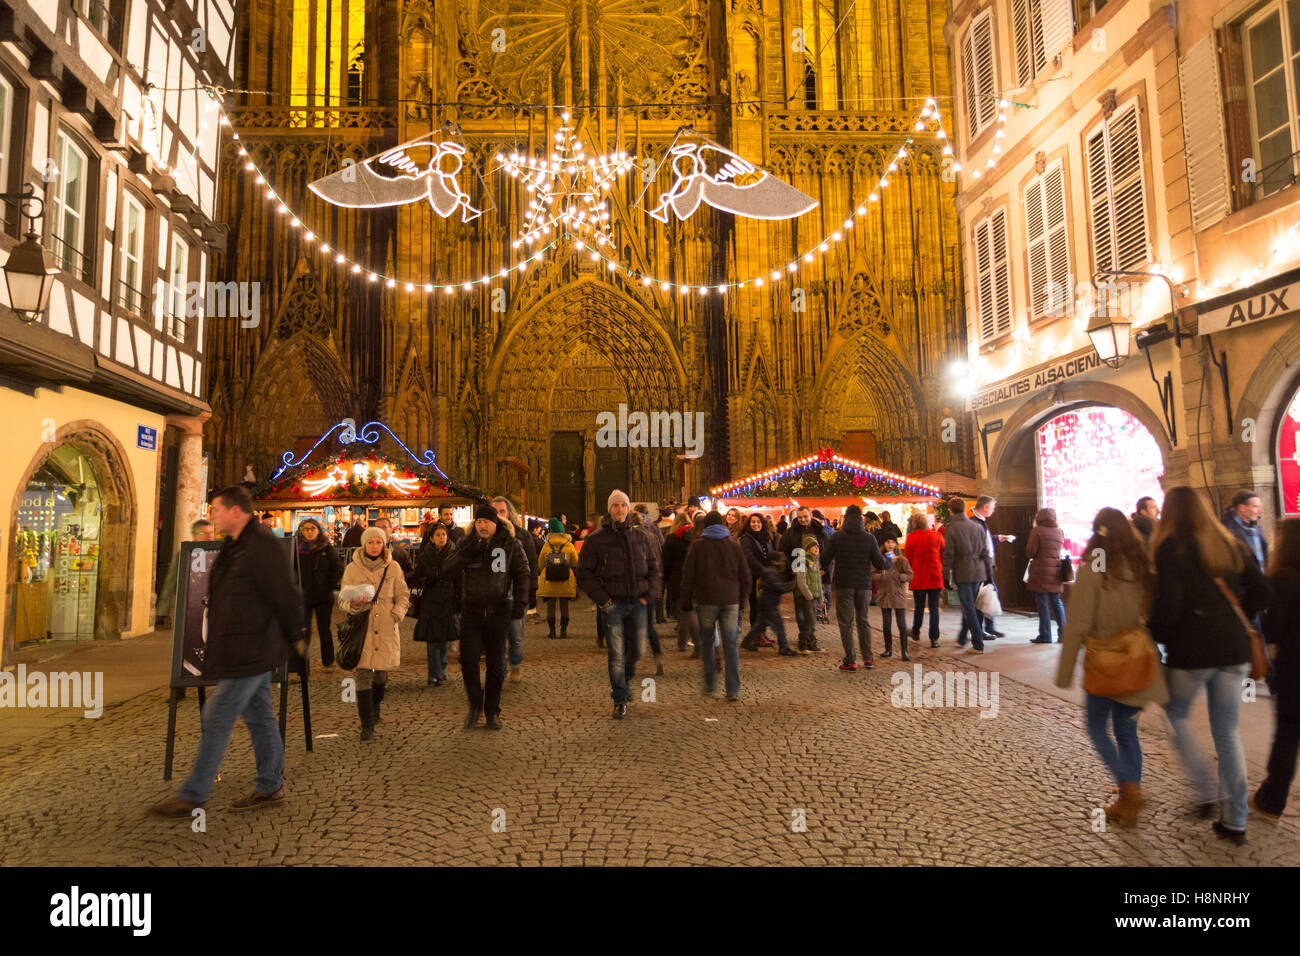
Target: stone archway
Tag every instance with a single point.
(108, 459)
(1264, 401)
(583, 349)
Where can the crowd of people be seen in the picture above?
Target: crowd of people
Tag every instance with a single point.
(1189, 584)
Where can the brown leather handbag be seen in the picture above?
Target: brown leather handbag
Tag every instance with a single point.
(1258, 656)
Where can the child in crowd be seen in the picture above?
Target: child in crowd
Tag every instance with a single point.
(891, 594)
(807, 593)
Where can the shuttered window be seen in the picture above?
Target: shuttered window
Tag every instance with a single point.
(1040, 29)
(1049, 244)
(979, 76)
(992, 276)
(1203, 133)
(1117, 192)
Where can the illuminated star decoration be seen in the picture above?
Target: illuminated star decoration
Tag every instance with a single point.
(384, 475)
(705, 171)
(567, 189)
(335, 476)
(422, 168)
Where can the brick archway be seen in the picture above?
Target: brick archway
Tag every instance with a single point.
(107, 458)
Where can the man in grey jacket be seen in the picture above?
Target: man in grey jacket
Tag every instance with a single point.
(967, 563)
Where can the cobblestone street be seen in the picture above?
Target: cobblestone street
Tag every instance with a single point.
(685, 780)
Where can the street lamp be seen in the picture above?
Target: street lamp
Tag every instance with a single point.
(1110, 337)
(29, 270)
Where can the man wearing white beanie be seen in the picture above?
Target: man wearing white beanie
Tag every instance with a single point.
(619, 570)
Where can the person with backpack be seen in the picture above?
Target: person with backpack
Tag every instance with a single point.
(715, 580)
(557, 583)
(495, 580)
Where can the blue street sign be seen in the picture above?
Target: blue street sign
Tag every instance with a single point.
(147, 438)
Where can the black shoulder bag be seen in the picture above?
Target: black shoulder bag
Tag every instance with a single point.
(352, 632)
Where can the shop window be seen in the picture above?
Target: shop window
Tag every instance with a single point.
(992, 276)
(58, 540)
(1288, 457)
(1091, 458)
(979, 76)
(1049, 243)
(1085, 10)
(1271, 46)
(1117, 191)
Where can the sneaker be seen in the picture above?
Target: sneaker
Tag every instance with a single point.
(174, 807)
(1228, 833)
(620, 711)
(975, 650)
(848, 667)
(1039, 640)
(814, 649)
(494, 722)
(1270, 817)
(764, 641)
(515, 675)
(788, 652)
(255, 800)
(961, 641)
(733, 698)
(869, 665)
(997, 633)
(934, 644)
(993, 636)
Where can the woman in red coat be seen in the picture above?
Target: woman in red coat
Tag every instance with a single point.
(1044, 551)
(923, 548)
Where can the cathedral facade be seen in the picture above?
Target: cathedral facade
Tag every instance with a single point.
(506, 379)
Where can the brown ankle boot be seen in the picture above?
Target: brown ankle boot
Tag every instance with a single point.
(1124, 811)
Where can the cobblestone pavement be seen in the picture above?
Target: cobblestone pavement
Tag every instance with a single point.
(684, 780)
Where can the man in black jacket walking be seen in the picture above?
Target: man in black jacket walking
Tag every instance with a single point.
(494, 578)
(254, 615)
(619, 570)
(854, 553)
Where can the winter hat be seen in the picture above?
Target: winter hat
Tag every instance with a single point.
(809, 542)
(554, 526)
(614, 496)
(485, 510)
(853, 510)
(714, 517)
(373, 532)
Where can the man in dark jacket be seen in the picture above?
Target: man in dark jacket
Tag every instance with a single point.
(887, 530)
(254, 616)
(854, 553)
(985, 505)
(446, 515)
(641, 520)
(1242, 519)
(619, 570)
(352, 537)
(515, 638)
(804, 524)
(493, 580)
(1145, 517)
(966, 562)
(715, 582)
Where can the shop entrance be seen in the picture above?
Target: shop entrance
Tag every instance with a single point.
(58, 550)
(1288, 457)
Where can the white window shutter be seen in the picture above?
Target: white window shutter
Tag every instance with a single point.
(1103, 230)
(1020, 39)
(984, 281)
(1057, 17)
(1036, 240)
(1203, 135)
(979, 75)
(972, 88)
(1001, 271)
(1128, 191)
(1058, 239)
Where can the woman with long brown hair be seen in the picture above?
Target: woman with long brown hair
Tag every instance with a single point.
(1044, 551)
(1201, 571)
(1282, 629)
(1110, 596)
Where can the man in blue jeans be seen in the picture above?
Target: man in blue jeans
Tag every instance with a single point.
(254, 614)
(619, 570)
(715, 581)
(966, 561)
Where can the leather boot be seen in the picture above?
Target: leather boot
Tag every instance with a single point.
(564, 628)
(889, 645)
(379, 699)
(1124, 811)
(471, 718)
(366, 711)
(659, 665)
(550, 626)
(902, 647)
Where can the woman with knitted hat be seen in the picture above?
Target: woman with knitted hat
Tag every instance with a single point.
(556, 582)
(372, 565)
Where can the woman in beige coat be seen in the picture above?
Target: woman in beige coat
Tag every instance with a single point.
(1103, 603)
(382, 651)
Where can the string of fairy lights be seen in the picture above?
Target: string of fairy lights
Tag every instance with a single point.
(568, 172)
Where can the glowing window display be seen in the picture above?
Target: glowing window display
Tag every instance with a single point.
(1288, 457)
(1092, 458)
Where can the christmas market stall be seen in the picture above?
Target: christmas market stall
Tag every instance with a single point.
(829, 483)
(367, 472)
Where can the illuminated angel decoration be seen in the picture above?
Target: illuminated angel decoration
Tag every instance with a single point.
(419, 169)
(707, 172)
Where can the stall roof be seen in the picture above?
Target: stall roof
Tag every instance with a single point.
(826, 475)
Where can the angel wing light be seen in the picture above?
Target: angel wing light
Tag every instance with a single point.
(419, 169)
(706, 172)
